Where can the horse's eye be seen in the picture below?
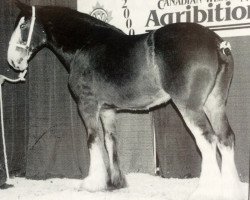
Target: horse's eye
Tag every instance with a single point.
(22, 26)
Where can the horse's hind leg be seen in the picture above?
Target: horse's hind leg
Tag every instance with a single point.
(215, 108)
(210, 179)
(97, 178)
(231, 186)
(117, 179)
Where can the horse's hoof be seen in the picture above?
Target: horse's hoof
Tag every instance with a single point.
(93, 184)
(117, 180)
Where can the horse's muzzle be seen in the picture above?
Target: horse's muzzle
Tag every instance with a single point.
(19, 65)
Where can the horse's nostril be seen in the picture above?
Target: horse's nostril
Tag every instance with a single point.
(20, 60)
(12, 63)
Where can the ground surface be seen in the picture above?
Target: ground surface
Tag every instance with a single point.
(141, 187)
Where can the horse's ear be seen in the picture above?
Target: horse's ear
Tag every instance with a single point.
(26, 9)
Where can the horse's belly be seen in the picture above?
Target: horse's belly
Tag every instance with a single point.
(146, 101)
(160, 98)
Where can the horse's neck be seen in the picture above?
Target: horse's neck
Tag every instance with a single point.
(65, 43)
(64, 46)
(64, 56)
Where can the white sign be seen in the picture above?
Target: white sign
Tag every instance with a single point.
(226, 17)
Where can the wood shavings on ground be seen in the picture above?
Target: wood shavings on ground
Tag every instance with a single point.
(140, 187)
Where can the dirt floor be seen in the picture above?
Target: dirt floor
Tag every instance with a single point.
(141, 187)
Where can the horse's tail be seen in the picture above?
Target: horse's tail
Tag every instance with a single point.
(225, 56)
(224, 51)
(225, 70)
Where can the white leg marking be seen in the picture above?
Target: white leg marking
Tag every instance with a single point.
(210, 184)
(108, 117)
(98, 176)
(209, 187)
(117, 178)
(232, 187)
(114, 170)
(110, 147)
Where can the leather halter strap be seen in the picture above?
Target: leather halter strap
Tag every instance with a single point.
(27, 45)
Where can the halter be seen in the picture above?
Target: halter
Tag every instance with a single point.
(27, 45)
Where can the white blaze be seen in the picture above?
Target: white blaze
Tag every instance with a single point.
(17, 57)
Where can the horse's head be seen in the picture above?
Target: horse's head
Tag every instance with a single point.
(28, 37)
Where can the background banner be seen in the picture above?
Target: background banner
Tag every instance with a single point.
(226, 17)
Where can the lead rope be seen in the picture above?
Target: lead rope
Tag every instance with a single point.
(2, 79)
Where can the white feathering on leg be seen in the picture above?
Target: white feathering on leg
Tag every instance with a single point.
(232, 187)
(98, 176)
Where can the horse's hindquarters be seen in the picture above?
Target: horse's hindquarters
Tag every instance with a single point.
(187, 58)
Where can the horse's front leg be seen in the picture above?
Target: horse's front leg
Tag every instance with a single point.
(117, 179)
(97, 178)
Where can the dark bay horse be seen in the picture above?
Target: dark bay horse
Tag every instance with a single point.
(110, 71)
